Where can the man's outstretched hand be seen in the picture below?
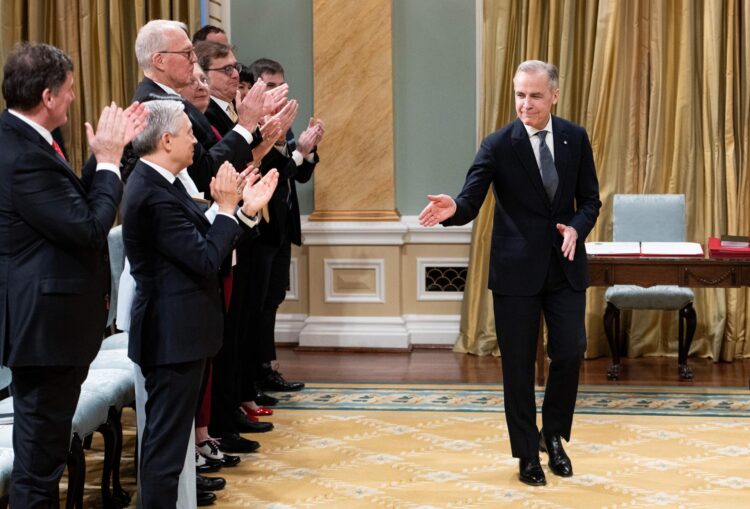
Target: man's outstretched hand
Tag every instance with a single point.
(440, 208)
(570, 236)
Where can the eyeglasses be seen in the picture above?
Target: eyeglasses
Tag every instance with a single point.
(199, 81)
(227, 69)
(188, 53)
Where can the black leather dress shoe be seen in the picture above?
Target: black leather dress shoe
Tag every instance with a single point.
(559, 462)
(530, 471)
(232, 442)
(263, 399)
(244, 425)
(205, 498)
(274, 381)
(209, 483)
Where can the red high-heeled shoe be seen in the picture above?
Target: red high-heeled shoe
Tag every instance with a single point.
(261, 410)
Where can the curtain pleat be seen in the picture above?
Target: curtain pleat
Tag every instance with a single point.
(99, 36)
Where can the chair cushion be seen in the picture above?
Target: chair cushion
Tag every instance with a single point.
(117, 341)
(117, 385)
(655, 297)
(6, 436)
(6, 466)
(91, 412)
(112, 359)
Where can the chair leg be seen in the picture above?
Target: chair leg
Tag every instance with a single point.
(117, 490)
(612, 331)
(112, 448)
(687, 325)
(76, 473)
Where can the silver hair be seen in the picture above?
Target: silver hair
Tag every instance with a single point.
(534, 66)
(164, 116)
(151, 39)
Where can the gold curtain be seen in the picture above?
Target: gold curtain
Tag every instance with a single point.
(662, 88)
(99, 36)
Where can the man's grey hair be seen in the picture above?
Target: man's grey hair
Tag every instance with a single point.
(152, 39)
(164, 116)
(534, 66)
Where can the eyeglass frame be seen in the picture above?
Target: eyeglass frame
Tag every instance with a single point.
(188, 53)
(227, 69)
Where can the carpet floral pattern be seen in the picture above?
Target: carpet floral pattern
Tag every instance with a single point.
(446, 446)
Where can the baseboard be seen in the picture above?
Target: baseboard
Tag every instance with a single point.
(382, 332)
(367, 333)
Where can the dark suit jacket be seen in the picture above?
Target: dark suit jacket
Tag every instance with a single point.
(54, 270)
(524, 234)
(232, 147)
(284, 218)
(218, 118)
(175, 255)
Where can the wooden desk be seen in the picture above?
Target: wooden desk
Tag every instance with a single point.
(690, 272)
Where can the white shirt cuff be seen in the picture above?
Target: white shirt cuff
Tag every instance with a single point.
(251, 222)
(297, 157)
(228, 215)
(108, 167)
(244, 133)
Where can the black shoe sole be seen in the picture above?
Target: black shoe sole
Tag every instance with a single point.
(543, 482)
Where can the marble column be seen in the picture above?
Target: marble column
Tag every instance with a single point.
(354, 95)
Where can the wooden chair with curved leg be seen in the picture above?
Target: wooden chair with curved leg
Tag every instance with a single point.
(649, 218)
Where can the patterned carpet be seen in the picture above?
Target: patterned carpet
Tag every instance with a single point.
(446, 446)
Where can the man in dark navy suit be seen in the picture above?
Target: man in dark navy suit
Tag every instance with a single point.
(547, 201)
(175, 255)
(54, 272)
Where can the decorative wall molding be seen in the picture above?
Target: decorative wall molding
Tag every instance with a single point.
(293, 292)
(433, 329)
(288, 327)
(381, 233)
(385, 332)
(422, 264)
(331, 265)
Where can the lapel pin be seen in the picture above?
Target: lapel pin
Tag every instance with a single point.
(565, 142)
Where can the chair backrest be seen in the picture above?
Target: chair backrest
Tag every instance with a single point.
(116, 264)
(648, 218)
(6, 376)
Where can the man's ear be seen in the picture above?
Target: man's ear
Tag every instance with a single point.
(166, 142)
(47, 97)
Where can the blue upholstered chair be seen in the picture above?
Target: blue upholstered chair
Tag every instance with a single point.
(649, 218)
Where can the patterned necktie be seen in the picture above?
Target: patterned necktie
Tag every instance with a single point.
(58, 150)
(547, 166)
(232, 112)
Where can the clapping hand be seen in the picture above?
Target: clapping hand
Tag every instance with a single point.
(311, 136)
(440, 208)
(258, 191)
(250, 109)
(270, 131)
(225, 188)
(275, 99)
(109, 140)
(286, 116)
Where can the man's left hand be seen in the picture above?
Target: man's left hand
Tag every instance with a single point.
(570, 236)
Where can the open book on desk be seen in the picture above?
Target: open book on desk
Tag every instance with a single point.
(613, 248)
(671, 249)
(645, 249)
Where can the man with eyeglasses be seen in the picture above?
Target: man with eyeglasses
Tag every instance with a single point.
(166, 56)
(223, 73)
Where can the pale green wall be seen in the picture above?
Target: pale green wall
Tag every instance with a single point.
(434, 85)
(281, 30)
(434, 67)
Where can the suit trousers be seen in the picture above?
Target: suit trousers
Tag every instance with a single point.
(44, 401)
(517, 325)
(266, 282)
(172, 392)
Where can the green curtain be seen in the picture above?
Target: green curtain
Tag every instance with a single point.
(662, 88)
(99, 35)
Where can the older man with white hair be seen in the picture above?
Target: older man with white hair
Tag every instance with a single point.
(175, 254)
(165, 54)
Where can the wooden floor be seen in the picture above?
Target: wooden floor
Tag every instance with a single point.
(445, 366)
